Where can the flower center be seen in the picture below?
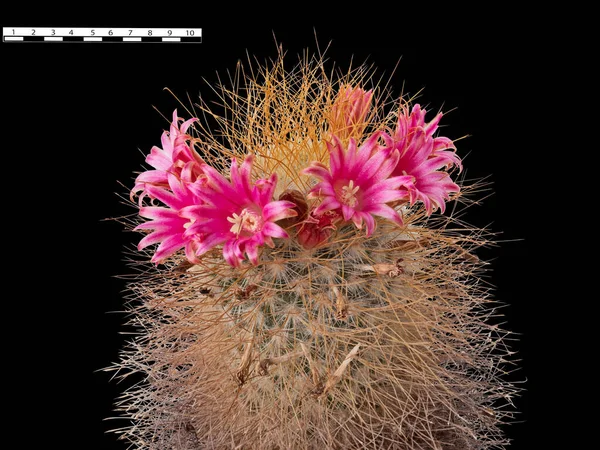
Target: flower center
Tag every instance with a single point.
(247, 220)
(348, 194)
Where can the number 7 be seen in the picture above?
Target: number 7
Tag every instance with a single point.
(130, 31)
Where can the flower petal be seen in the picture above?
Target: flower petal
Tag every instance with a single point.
(327, 204)
(357, 218)
(383, 196)
(154, 238)
(160, 159)
(210, 241)
(370, 223)
(390, 183)
(278, 210)
(167, 247)
(191, 248)
(251, 249)
(232, 253)
(185, 125)
(318, 170)
(379, 166)
(433, 125)
(336, 156)
(387, 213)
(264, 190)
(157, 212)
(273, 230)
(152, 177)
(347, 212)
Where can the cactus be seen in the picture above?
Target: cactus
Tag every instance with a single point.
(336, 327)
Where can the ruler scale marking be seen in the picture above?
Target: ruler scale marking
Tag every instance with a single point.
(115, 35)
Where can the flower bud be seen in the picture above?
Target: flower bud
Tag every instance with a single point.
(349, 112)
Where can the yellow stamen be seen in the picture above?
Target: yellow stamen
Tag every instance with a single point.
(237, 223)
(348, 195)
(246, 220)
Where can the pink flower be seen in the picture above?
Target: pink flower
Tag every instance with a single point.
(175, 155)
(357, 184)
(350, 110)
(170, 227)
(236, 213)
(422, 156)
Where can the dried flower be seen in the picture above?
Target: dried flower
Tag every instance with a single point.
(317, 228)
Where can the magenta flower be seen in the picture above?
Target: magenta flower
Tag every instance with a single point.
(422, 156)
(236, 213)
(357, 183)
(350, 110)
(170, 227)
(175, 155)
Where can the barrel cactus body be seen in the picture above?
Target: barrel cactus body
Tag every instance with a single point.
(311, 284)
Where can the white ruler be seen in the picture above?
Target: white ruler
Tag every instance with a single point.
(156, 35)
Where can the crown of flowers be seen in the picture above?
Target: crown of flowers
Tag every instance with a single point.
(381, 175)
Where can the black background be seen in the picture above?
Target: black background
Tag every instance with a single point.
(77, 118)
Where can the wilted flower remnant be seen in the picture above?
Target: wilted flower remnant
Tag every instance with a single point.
(298, 298)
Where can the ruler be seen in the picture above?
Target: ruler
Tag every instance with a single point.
(155, 35)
